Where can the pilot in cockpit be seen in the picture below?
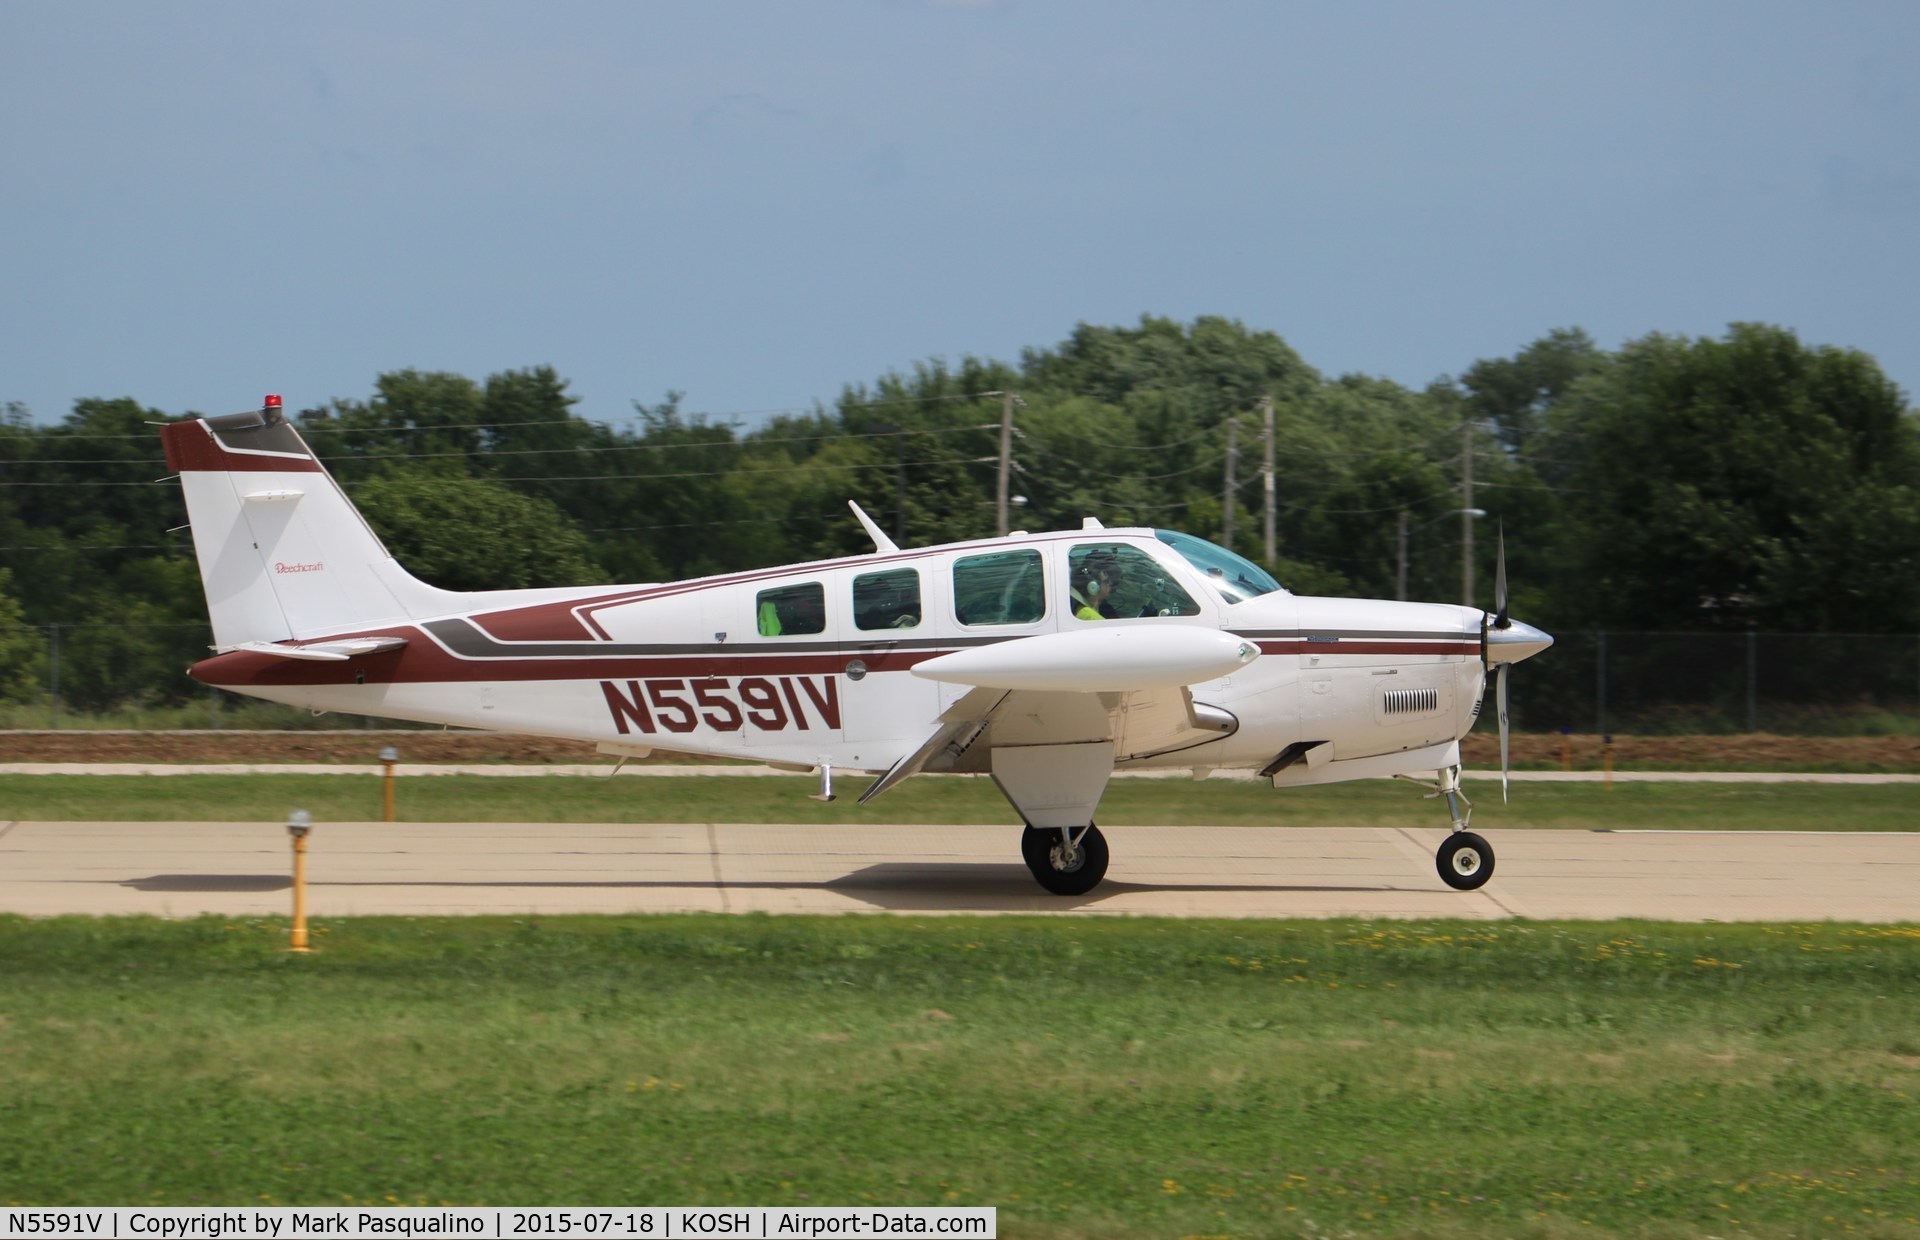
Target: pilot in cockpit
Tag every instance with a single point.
(1095, 580)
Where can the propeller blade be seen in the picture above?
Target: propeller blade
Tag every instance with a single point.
(1500, 688)
(1500, 583)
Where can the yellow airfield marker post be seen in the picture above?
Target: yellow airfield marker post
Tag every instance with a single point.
(299, 822)
(388, 757)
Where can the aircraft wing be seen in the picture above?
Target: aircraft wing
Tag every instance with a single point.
(1121, 690)
(1110, 659)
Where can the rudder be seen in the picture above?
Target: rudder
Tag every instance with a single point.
(283, 553)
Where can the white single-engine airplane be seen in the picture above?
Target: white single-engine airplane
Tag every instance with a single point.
(1045, 660)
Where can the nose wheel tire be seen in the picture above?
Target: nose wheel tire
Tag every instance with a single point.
(1465, 861)
(1064, 872)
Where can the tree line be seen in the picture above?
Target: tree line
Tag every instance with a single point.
(1744, 483)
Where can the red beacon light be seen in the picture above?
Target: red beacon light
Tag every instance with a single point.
(272, 401)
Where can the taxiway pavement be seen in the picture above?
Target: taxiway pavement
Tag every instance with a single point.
(184, 869)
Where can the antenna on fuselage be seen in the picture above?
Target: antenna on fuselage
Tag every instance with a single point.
(882, 545)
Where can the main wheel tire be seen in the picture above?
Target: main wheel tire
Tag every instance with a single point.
(1465, 861)
(1042, 846)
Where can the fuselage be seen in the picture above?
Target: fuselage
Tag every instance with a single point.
(813, 663)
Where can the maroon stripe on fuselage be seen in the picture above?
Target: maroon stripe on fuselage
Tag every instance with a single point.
(424, 662)
(1370, 647)
(547, 623)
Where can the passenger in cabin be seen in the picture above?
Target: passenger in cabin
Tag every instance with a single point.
(809, 612)
(791, 611)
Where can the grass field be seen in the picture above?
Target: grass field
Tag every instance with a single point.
(950, 799)
(1114, 1078)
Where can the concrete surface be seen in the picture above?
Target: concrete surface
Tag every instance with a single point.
(601, 771)
(183, 869)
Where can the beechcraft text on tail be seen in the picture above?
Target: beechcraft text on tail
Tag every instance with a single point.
(1046, 661)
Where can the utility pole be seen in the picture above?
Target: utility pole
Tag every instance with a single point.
(1233, 460)
(1266, 472)
(1006, 462)
(1466, 514)
(899, 486)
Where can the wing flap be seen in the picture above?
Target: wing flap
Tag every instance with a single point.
(1130, 726)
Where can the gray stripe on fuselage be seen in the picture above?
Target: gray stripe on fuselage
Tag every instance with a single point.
(466, 639)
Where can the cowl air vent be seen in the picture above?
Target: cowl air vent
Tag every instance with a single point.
(1399, 702)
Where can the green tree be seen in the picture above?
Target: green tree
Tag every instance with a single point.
(1217, 363)
(128, 652)
(1515, 393)
(425, 422)
(23, 649)
(474, 534)
(1751, 482)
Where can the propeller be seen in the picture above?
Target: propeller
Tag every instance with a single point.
(1500, 622)
(1505, 641)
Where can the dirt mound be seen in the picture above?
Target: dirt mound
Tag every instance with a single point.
(1751, 752)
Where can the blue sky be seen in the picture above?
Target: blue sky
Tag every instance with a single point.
(758, 203)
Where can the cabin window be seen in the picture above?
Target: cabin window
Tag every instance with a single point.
(889, 600)
(1005, 587)
(1113, 581)
(791, 611)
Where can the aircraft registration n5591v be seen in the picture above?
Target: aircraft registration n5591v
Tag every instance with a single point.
(1047, 661)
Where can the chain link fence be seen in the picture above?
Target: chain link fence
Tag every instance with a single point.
(1704, 683)
(70, 675)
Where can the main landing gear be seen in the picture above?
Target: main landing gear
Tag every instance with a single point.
(1465, 860)
(1068, 861)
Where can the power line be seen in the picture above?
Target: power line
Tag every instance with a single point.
(747, 444)
(310, 428)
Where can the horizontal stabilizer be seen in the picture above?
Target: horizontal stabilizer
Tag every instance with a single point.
(321, 652)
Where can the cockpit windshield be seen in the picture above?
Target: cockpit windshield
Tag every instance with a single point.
(1235, 576)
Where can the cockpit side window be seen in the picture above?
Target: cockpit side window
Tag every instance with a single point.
(1001, 587)
(1114, 581)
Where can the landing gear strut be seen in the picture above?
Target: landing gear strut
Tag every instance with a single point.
(1068, 861)
(1465, 860)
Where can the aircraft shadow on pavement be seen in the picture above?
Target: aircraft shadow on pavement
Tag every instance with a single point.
(210, 882)
(896, 886)
(908, 885)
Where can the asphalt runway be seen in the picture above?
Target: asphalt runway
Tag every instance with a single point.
(184, 869)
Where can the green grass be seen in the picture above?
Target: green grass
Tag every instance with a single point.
(1124, 1078)
(948, 799)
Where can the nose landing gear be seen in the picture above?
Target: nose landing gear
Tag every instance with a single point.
(1465, 860)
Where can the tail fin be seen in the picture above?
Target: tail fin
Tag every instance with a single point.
(283, 553)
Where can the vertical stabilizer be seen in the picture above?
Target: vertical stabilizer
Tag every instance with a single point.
(283, 553)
